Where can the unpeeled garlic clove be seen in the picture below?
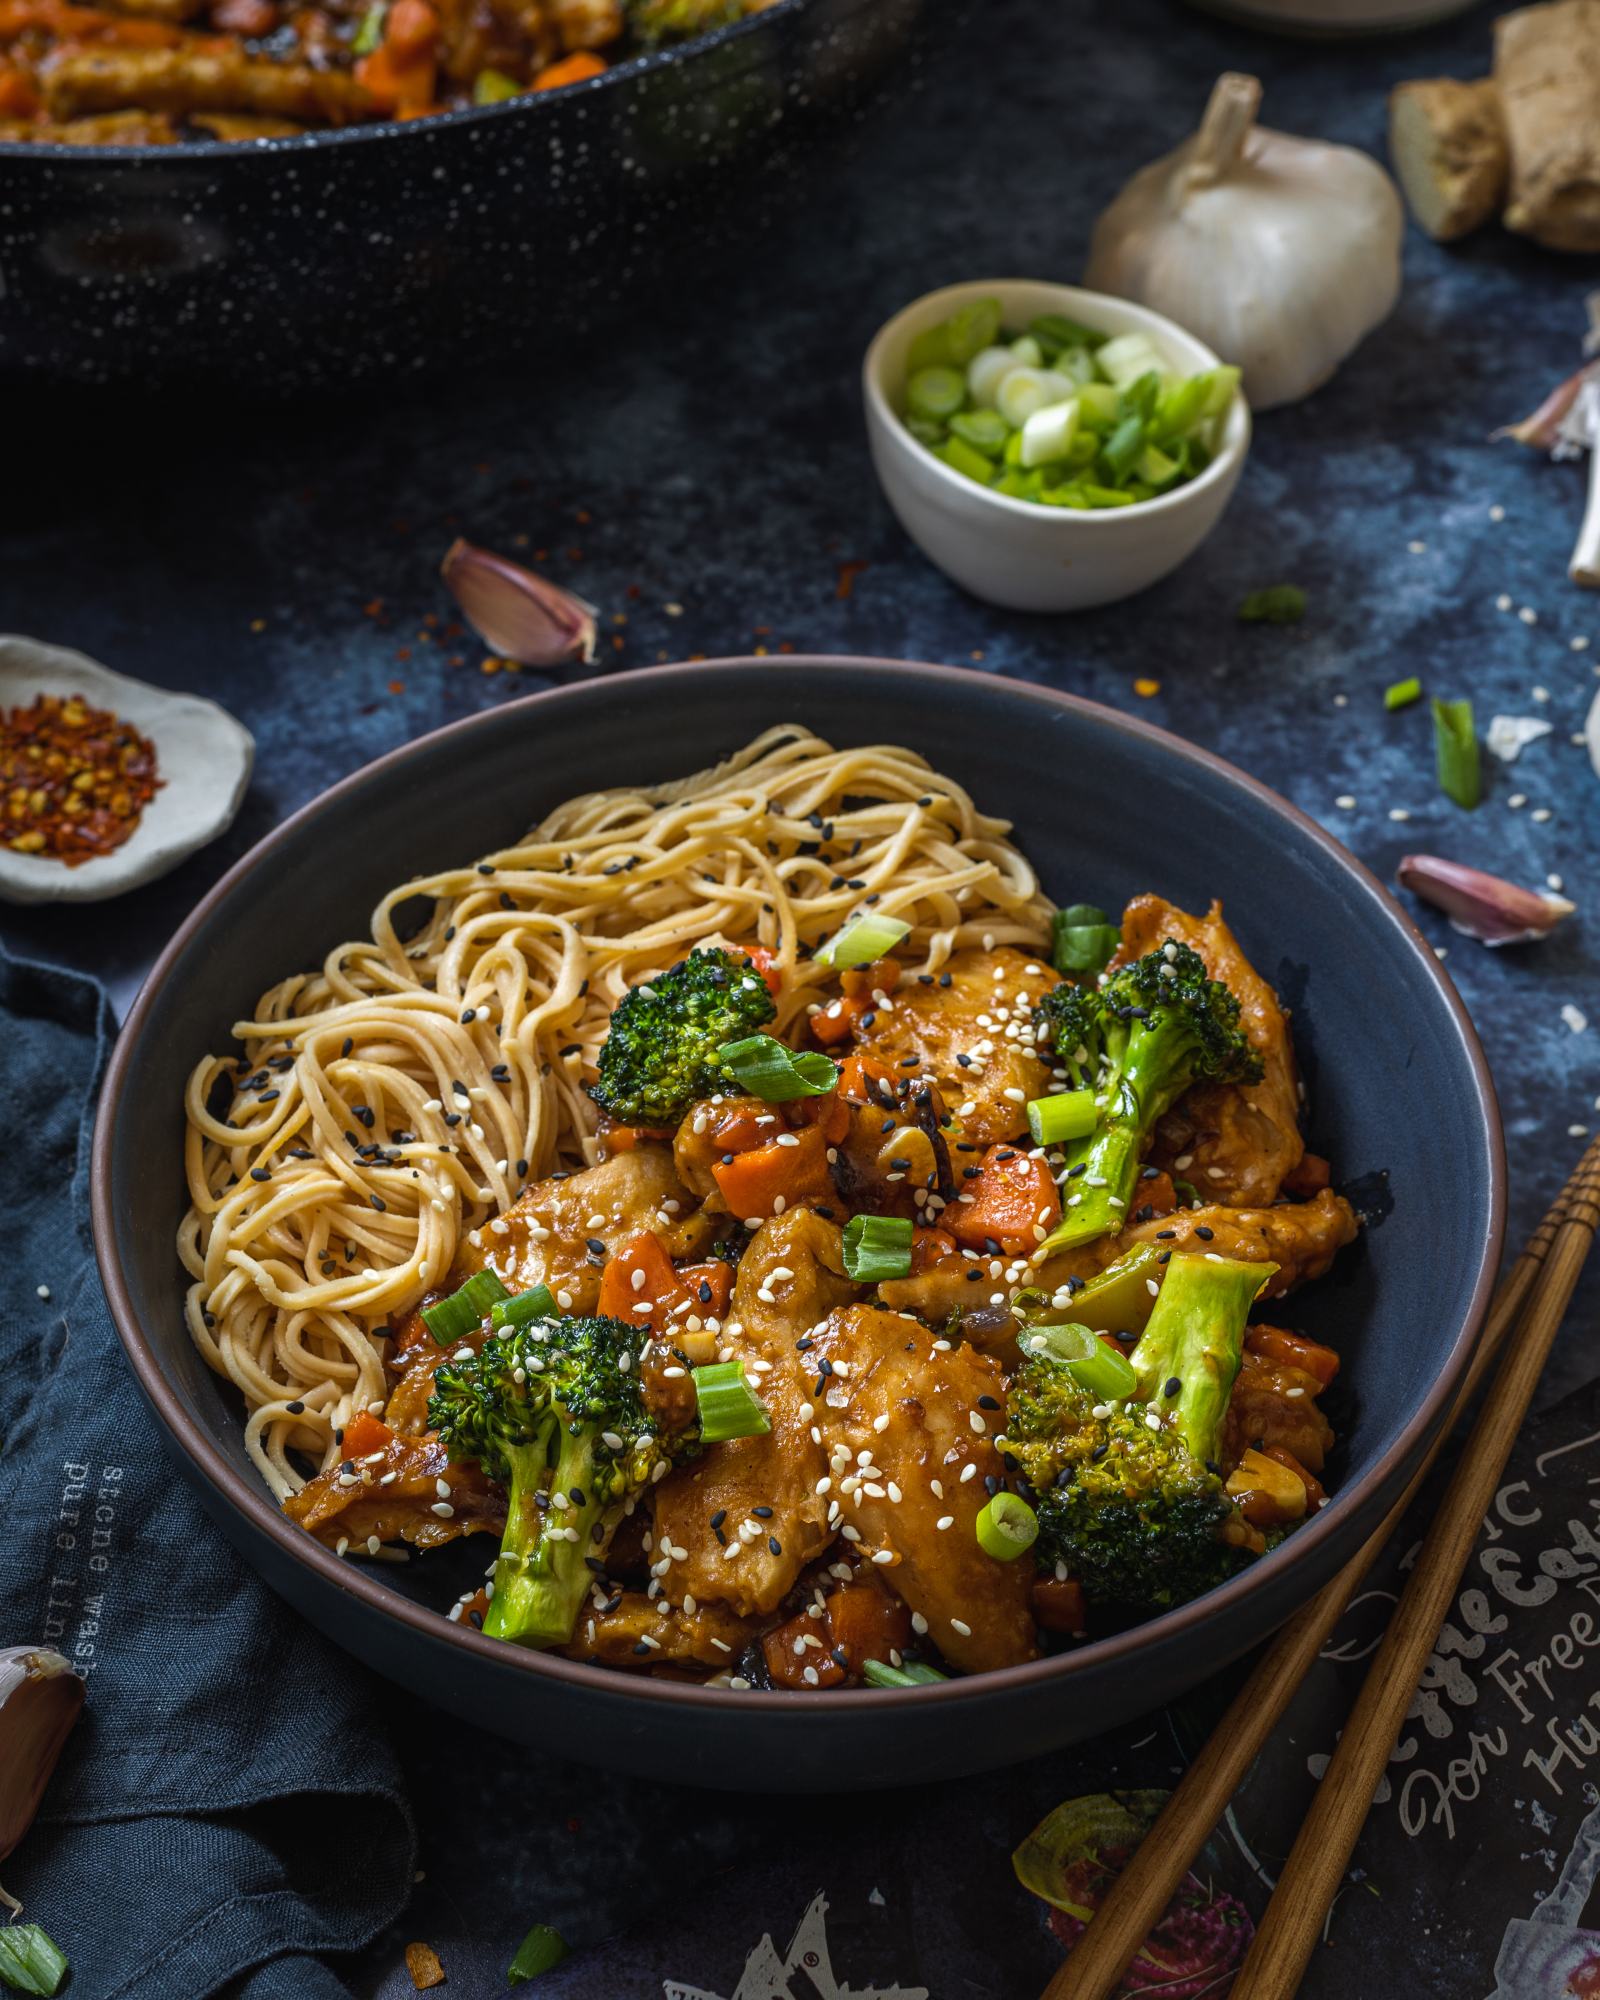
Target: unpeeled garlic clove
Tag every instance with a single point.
(40, 1698)
(523, 616)
(1482, 906)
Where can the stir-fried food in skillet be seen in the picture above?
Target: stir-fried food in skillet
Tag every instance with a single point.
(812, 1256)
(156, 72)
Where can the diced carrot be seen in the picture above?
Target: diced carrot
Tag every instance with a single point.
(858, 987)
(18, 98)
(1154, 1195)
(410, 30)
(863, 1079)
(1058, 1604)
(754, 1183)
(740, 1131)
(787, 1666)
(1014, 1204)
(830, 1111)
(715, 1274)
(642, 1258)
(1310, 1176)
(930, 1247)
(867, 1623)
(1292, 1350)
(401, 72)
(624, 1138)
(364, 1434)
(764, 961)
(571, 69)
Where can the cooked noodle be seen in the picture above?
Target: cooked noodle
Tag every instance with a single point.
(456, 1055)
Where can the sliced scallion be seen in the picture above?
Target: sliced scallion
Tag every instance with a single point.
(493, 86)
(879, 1674)
(877, 1247)
(1455, 753)
(727, 1408)
(523, 1309)
(30, 1962)
(540, 1951)
(1070, 1114)
(1401, 694)
(1007, 1527)
(1083, 939)
(465, 1310)
(861, 939)
(1278, 604)
(774, 1073)
(1087, 1359)
(370, 32)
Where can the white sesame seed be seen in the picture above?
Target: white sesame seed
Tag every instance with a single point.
(1345, 802)
(883, 1556)
(945, 1521)
(960, 1625)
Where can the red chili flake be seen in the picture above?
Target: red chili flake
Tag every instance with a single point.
(73, 779)
(617, 642)
(848, 572)
(583, 517)
(397, 687)
(402, 652)
(632, 590)
(785, 645)
(374, 609)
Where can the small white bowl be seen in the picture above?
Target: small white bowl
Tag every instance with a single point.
(1015, 552)
(203, 759)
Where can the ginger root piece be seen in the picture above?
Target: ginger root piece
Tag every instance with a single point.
(1447, 142)
(1547, 69)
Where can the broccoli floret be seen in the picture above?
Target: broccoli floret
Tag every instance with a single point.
(1132, 1500)
(660, 1052)
(557, 1412)
(1138, 1043)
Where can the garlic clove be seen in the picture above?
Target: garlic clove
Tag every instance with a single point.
(520, 614)
(40, 1699)
(1482, 906)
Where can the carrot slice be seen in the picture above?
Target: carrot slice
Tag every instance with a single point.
(1293, 1350)
(858, 986)
(771, 1178)
(1014, 1202)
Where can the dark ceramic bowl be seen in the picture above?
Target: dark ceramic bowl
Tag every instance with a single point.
(1400, 1100)
(381, 250)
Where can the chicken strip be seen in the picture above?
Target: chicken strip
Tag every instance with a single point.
(200, 77)
(761, 1492)
(903, 1422)
(560, 1231)
(639, 1631)
(391, 1488)
(1237, 1140)
(116, 128)
(1301, 1238)
(970, 1028)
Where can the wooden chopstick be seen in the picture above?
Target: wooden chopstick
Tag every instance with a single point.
(1312, 1875)
(1137, 1899)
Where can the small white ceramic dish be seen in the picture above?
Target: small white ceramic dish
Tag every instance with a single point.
(1015, 552)
(203, 759)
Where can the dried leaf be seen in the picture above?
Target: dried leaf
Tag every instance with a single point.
(422, 1962)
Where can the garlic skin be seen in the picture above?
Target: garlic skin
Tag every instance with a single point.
(1280, 253)
(1481, 906)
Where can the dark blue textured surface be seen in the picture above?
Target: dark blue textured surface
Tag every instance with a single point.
(713, 458)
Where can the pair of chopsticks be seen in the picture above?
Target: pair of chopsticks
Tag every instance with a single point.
(1524, 1319)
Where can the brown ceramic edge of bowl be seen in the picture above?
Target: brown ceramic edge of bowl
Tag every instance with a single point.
(251, 1500)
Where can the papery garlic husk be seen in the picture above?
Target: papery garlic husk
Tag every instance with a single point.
(522, 615)
(1482, 906)
(1280, 253)
(40, 1697)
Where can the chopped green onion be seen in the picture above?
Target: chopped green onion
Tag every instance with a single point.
(1007, 1527)
(1087, 1359)
(1401, 694)
(877, 1247)
(1455, 752)
(538, 1952)
(370, 32)
(1056, 330)
(936, 393)
(523, 1309)
(727, 1408)
(878, 1674)
(1082, 939)
(956, 340)
(29, 1961)
(774, 1073)
(1069, 1114)
(984, 430)
(493, 86)
(861, 939)
(961, 457)
(1278, 604)
(465, 1310)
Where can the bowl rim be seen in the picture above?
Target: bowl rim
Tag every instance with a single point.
(1236, 436)
(247, 1497)
(388, 130)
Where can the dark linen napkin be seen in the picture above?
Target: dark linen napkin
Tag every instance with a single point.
(228, 1806)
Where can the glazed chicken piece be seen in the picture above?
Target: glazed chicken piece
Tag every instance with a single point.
(548, 1235)
(640, 1631)
(199, 77)
(1301, 1238)
(1274, 1399)
(388, 1485)
(1240, 1140)
(695, 1146)
(980, 1009)
(895, 1485)
(789, 1280)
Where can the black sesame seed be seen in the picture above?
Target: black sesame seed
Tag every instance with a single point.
(349, 1044)
(261, 1173)
(987, 1403)
(596, 1247)
(762, 1513)
(296, 1408)
(719, 1517)
(475, 1619)
(1173, 1386)
(363, 1115)
(379, 1203)
(1205, 1235)
(775, 1545)
(1162, 1235)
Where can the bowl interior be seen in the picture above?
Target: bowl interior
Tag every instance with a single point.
(1398, 1097)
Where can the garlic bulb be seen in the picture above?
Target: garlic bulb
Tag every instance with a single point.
(1280, 253)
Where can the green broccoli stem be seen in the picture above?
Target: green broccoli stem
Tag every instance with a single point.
(542, 1577)
(1095, 1201)
(1189, 1353)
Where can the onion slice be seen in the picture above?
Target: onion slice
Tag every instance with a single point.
(1482, 906)
(523, 616)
